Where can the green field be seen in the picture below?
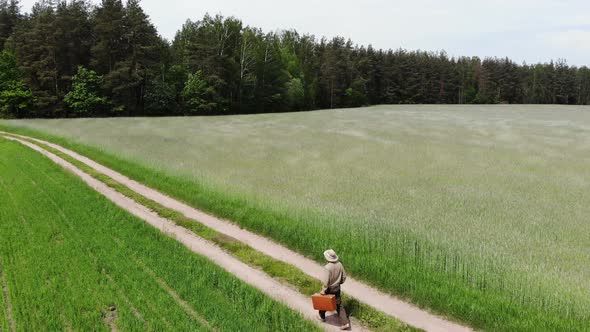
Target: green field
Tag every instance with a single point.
(479, 212)
(71, 260)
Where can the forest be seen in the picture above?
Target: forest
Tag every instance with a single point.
(76, 59)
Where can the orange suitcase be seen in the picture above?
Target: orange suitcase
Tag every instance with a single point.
(324, 302)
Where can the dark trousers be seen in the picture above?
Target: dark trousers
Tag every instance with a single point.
(339, 308)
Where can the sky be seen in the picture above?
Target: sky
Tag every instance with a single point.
(524, 30)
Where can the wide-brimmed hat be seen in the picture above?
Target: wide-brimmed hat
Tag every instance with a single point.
(331, 256)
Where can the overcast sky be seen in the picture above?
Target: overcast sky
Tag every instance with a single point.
(524, 30)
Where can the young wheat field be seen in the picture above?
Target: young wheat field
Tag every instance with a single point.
(479, 212)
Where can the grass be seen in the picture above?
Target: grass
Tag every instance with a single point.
(77, 262)
(478, 213)
(279, 270)
(4, 323)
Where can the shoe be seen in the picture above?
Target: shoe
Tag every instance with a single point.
(345, 327)
(320, 318)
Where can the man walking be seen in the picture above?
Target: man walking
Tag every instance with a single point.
(333, 278)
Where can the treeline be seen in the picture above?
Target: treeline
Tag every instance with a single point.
(70, 58)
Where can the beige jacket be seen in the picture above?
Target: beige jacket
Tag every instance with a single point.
(334, 276)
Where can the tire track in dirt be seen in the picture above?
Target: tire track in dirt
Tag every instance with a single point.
(384, 302)
(246, 273)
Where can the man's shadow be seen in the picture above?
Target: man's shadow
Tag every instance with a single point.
(333, 319)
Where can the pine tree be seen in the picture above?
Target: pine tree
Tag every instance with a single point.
(35, 46)
(9, 17)
(49, 45)
(127, 52)
(249, 44)
(271, 76)
(334, 71)
(72, 30)
(109, 45)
